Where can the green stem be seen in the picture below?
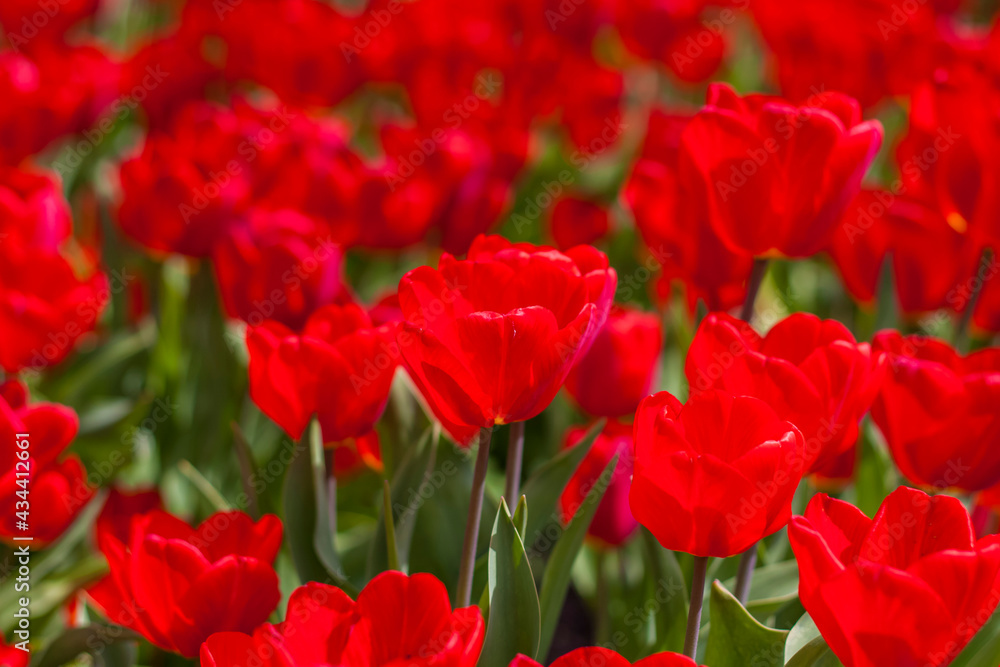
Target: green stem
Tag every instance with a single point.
(748, 561)
(515, 455)
(753, 286)
(468, 565)
(694, 611)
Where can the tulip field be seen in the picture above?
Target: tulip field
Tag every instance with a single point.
(509, 333)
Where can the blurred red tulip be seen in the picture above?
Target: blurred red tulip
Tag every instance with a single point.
(33, 211)
(44, 306)
(910, 587)
(490, 339)
(622, 365)
(812, 372)
(177, 585)
(603, 657)
(396, 620)
(121, 507)
(35, 473)
(28, 24)
(937, 411)
(714, 476)
(613, 523)
(779, 176)
(279, 266)
(578, 222)
(338, 368)
(869, 49)
(670, 206)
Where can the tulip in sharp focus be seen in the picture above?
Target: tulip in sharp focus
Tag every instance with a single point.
(713, 476)
(938, 412)
(811, 371)
(177, 585)
(779, 175)
(490, 339)
(396, 620)
(910, 587)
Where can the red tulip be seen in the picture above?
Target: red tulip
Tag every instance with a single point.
(714, 476)
(44, 306)
(121, 506)
(929, 259)
(26, 23)
(278, 266)
(578, 222)
(33, 211)
(603, 657)
(910, 587)
(622, 365)
(54, 489)
(811, 371)
(396, 620)
(177, 585)
(937, 411)
(680, 35)
(869, 49)
(670, 205)
(779, 176)
(490, 339)
(613, 522)
(338, 368)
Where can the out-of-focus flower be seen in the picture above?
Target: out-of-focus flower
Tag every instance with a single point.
(35, 473)
(613, 523)
(120, 508)
(33, 212)
(339, 368)
(44, 306)
(779, 176)
(280, 266)
(622, 365)
(911, 586)
(578, 221)
(937, 411)
(49, 94)
(177, 585)
(812, 372)
(11, 656)
(29, 24)
(490, 339)
(591, 657)
(682, 35)
(396, 620)
(670, 205)
(714, 476)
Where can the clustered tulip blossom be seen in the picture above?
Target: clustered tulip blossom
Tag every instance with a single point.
(274, 275)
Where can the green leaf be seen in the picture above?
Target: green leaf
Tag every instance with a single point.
(737, 639)
(408, 488)
(545, 486)
(806, 648)
(814, 654)
(777, 580)
(307, 522)
(876, 477)
(555, 580)
(521, 516)
(514, 622)
(110, 645)
(984, 649)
